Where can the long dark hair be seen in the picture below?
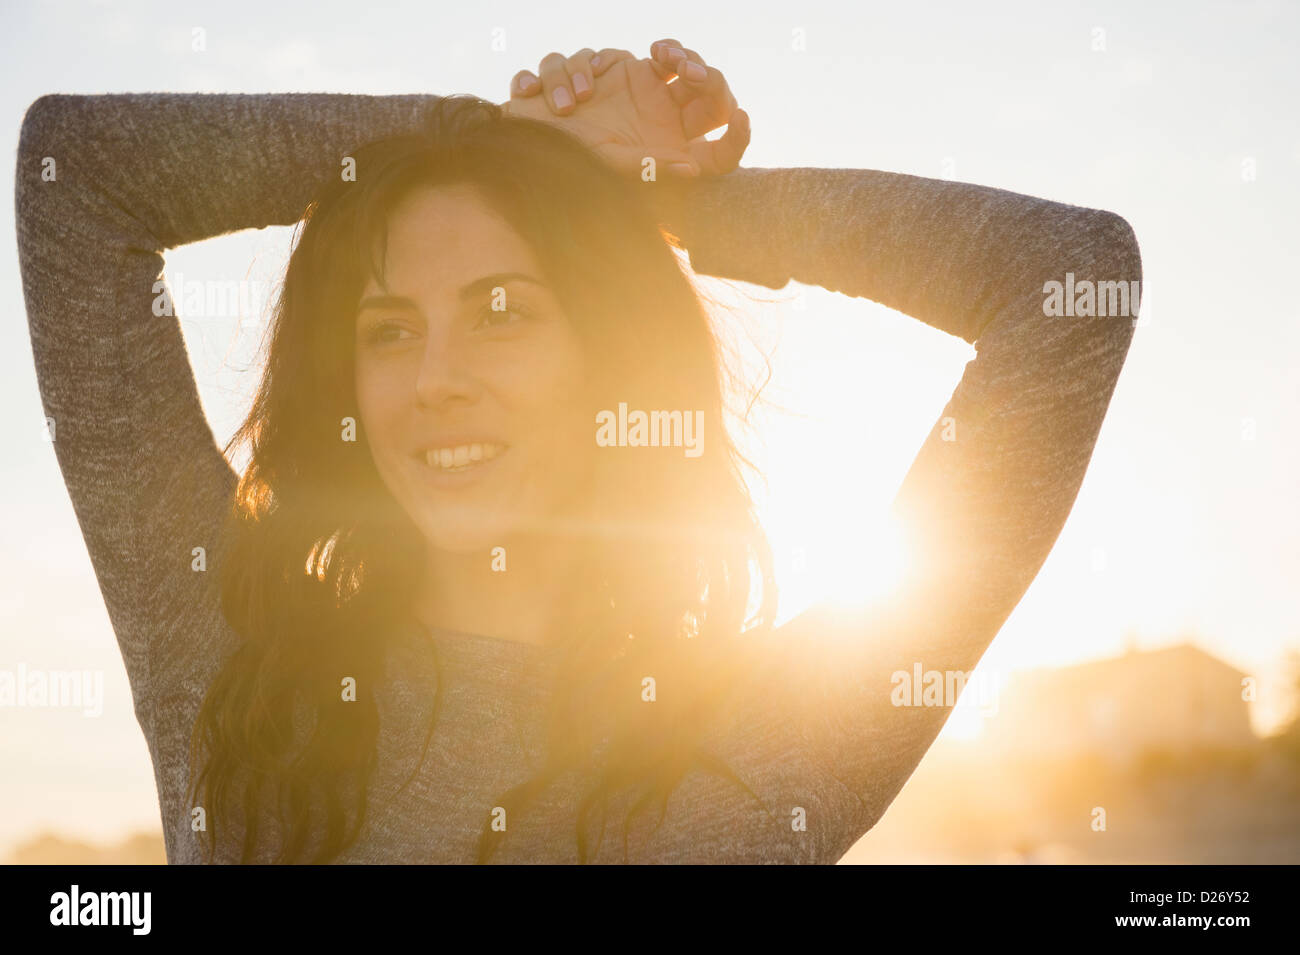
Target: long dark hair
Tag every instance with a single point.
(320, 563)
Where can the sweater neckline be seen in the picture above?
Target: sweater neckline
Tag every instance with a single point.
(483, 659)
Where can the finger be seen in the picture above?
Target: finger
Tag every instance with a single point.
(690, 66)
(606, 58)
(706, 101)
(556, 84)
(665, 55)
(662, 46)
(661, 59)
(668, 163)
(672, 56)
(525, 84)
(722, 155)
(705, 106)
(581, 79)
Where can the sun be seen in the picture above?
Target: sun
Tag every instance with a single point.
(848, 561)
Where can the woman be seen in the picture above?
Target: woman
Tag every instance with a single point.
(438, 618)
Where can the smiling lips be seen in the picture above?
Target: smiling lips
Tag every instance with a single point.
(462, 457)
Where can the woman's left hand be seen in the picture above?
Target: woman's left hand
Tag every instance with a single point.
(629, 109)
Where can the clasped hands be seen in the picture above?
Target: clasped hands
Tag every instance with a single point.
(627, 108)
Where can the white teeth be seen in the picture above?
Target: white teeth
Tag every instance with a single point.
(462, 456)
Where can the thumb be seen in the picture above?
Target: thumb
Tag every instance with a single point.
(722, 155)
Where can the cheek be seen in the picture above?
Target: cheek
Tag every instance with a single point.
(377, 408)
(555, 392)
(550, 401)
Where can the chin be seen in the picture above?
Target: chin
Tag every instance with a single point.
(462, 534)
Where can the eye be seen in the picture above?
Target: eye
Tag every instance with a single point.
(383, 333)
(489, 316)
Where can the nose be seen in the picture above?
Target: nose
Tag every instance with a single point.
(445, 374)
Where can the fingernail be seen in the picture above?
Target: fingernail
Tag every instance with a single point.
(682, 168)
(580, 84)
(562, 98)
(693, 71)
(526, 82)
(675, 51)
(595, 60)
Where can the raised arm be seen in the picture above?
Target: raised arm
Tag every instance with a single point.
(104, 185)
(984, 500)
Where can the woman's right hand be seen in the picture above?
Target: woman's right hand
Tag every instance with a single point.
(629, 109)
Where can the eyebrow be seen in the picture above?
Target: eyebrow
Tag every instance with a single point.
(473, 289)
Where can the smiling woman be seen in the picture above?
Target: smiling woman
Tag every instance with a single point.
(491, 312)
(471, 633)
(467, 374)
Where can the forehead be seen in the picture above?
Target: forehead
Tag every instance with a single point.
(439, 238)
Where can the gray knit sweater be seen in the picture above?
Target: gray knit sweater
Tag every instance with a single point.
(816, 735)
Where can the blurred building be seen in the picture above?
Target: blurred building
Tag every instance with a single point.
(48, 848)
(1177, 698)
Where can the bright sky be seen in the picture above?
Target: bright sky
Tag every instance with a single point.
(1179, 116)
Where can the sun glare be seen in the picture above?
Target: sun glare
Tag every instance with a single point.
(850, 564)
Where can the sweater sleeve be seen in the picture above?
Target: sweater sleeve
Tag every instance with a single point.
(821, 731)
(104, 184)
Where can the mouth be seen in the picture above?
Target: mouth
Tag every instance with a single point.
(459, 459)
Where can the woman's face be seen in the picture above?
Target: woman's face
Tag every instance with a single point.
(475, 416)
